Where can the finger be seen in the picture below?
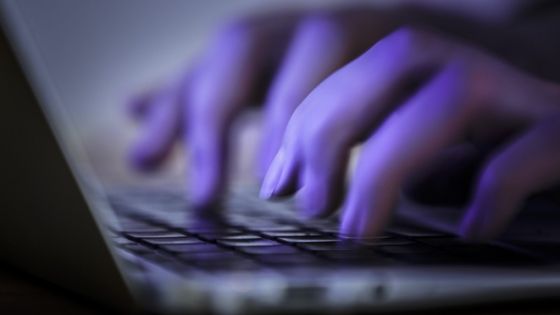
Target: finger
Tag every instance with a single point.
(161, 125)
(283, 169)
(224, 84)
(529, 164)
(430, 121)
(471, 86)
(348, 105)
(322, 43)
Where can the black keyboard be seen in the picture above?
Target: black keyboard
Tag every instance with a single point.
(251, 239)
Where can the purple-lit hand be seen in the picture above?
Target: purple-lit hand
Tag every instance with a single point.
(199, 109)
(462, 95)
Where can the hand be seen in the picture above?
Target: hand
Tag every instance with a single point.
(198, 109)
(412, 95)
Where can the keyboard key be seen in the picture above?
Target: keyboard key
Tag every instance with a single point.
(120, 241)
(132, 225)
(191, 248)
(240, 237)
(154, 234)
(310, 239)
(208, 229)
(266, 250)
(172, 240)
(248, 243)
(208, 256)
(290, 234)
(330, 246)
(274, 228)
(214, 234)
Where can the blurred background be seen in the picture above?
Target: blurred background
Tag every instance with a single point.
(100, 54)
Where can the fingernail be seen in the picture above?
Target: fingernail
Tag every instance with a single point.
(270, 182)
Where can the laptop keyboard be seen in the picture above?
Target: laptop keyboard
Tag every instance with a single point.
(255, 239)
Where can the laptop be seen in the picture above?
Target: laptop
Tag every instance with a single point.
(144, 248)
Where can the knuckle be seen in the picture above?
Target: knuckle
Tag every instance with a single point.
(235, 35)
(473, 78)
(405, 49)
(320, 24)
(404, 42)
(239, 29)
(407, 35)
(463, 78)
